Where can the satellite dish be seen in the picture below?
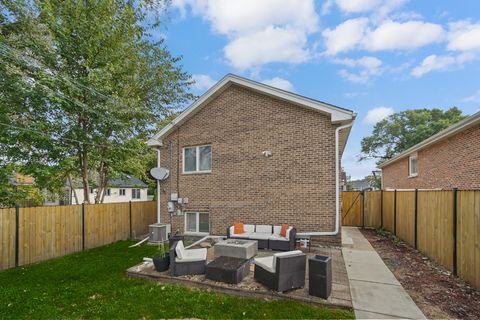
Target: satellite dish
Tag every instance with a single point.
(160, 173)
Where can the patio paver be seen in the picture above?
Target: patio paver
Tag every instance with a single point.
(376, 293)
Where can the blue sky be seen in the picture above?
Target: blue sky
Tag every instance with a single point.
(372, 56)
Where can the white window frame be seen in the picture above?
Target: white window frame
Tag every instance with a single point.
(197, 222)
(197, 159)
(139, 193)
(120, 192)
(410, 158)
(108, 192)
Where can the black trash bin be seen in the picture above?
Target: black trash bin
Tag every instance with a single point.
(320, 276)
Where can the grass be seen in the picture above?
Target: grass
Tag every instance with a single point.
(93, 284)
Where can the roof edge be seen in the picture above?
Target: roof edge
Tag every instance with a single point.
(338, 114)
(444, 134)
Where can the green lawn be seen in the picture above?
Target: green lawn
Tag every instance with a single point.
(93, 284)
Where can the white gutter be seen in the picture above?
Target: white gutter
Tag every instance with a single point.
(337, 190)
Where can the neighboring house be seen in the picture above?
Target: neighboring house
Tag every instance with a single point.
(358, 185)
(248, 152)
(446, 160)
(125, 189)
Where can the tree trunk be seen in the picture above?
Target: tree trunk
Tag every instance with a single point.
(73, 189)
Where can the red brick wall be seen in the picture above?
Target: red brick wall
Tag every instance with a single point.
(296, 185)
(454, 162)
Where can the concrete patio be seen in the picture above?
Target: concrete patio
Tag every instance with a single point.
(340, 296)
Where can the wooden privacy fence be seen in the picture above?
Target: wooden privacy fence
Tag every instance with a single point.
(35, 234)
(444, 225)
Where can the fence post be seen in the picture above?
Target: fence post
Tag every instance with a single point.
(381, 208)
(395, 212)
(130, 219)
(455, 191)
(416, 216)
(83, 226)
(363, 209)
(17, 235)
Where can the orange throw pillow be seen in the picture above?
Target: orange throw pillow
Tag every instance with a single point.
(283, 231)
(238, 228)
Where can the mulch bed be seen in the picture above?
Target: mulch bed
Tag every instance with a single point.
(434, 289)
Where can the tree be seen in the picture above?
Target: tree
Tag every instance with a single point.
(84, 85)
(404, 129)
(373, 181)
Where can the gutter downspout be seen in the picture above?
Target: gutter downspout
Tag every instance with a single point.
(158, 187)
(337, 190)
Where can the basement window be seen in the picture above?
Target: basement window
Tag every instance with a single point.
(413, 165)
(197, 222)
(197, 159)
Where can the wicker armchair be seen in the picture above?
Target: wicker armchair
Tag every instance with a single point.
(282, 271)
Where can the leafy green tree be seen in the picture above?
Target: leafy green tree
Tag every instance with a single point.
(404, 129)
(83, 86)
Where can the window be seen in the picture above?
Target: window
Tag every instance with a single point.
(91, 190)
(413, 165)
(122, 192)
(197, 159)
(108, 193)
(135, 193)
(197, 222)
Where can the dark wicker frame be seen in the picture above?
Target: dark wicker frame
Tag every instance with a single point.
(280, 245)
(289, 273)
(184, 268)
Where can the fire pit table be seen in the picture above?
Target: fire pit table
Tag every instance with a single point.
(235, 248)
(227, 269)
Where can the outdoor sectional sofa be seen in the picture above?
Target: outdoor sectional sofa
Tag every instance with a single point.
(268, 236)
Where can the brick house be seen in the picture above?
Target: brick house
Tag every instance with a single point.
(446, 160)
(248, 152)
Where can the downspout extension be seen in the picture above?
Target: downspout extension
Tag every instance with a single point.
(337, 189)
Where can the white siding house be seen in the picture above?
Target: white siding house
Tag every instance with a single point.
(125, 189)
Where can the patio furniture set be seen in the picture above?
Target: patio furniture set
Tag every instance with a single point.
(280, 272)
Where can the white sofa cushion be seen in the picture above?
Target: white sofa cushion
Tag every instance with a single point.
(285, 254)
(240, 235)
(258, 236)
(263, 228)
(278, 229)
(277, 237)
(266, 263)
(180, 250)
(192, 255)
(249, 228)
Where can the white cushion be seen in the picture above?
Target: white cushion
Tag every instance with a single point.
(277, 237)
(258, 236)
(231, 230)
(285, 254)
(180, 250)
(249, 228)
(263, 228)
(288, 232)
(192, 255)
(277, 229)
(266, 263)
(240, 235)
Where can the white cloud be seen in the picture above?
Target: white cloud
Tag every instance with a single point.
(377, 114)
(369, 66)
(326, 7)
(280, 83)
(389, 35)
(442, 63)
(392, 35)
(464, 36)
(357, 6)
(345, 36)
(473, 98)
(203, 82)
(259, 32)
(269, 45)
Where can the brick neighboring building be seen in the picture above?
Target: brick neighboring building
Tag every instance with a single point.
(267, 157)
(448, 159)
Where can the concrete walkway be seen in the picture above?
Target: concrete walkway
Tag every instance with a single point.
(376, 293)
